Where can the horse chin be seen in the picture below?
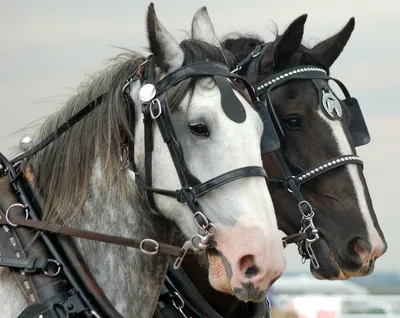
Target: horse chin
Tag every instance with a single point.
(218, 272)
(220, 275)
(328, 267)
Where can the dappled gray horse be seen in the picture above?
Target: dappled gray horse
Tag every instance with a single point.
(151, 125)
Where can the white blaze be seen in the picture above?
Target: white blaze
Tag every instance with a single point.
(345, 149)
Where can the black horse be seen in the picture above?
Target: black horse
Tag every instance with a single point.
(319, 134)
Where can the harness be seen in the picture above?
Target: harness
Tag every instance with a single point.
(178, 285)
(51, 273)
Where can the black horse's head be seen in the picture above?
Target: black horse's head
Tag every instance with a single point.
(316, 128)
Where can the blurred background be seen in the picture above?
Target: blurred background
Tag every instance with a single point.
(48, 47)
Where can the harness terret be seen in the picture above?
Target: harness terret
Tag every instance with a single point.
(51, 273)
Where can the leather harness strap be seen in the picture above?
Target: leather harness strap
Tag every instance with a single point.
(147, 246)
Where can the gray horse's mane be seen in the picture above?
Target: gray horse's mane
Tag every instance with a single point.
(63, 169)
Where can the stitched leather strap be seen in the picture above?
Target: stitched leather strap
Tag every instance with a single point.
(146, 245)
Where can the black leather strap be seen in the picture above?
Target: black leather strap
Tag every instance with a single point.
(29, 265)
(206, 68)
(62, 129)
(205, 187)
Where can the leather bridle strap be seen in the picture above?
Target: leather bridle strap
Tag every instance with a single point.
(202, 69)
(147, 246)
(156, 108)
(249, 58)
(250, 171)
(62, 129)
(212, 184)
(311, 173)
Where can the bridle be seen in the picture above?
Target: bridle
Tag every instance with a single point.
(178, 288)
(292, 175)
(155, 108)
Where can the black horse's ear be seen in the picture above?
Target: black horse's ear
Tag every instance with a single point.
(166, 50)
(288, 43)
(330, 49)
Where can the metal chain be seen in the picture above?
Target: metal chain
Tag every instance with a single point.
(180, 305)
(308, 227)
(198, 242)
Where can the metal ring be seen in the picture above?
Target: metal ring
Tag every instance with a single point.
(159, 108)
(128, 82)
(155, 243)
(206, 223)
(14, 206)
(310, 207)
(50, 260)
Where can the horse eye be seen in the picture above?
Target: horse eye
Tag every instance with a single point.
(292, 122)
(199, 129)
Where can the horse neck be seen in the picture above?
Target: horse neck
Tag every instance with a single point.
(131, 280)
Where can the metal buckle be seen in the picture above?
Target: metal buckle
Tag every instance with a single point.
(307, 224)
(147, 252)
(26, 209)
(159, 108)
(203, 220)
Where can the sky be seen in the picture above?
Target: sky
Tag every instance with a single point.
(48, 47)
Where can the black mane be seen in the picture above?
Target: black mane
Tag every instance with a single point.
(242, 45)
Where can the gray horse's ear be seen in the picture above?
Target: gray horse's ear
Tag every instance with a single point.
(166, 50)
(203, 29)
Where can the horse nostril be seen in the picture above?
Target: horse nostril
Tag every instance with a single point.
(248, 267)
(251, 271)
(359, 246)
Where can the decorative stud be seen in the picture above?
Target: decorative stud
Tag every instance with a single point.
(329, 164)
(331, 104)
(147, 93)
(291, 73)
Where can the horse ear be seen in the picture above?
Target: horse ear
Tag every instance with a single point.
(289, 42)
(329, 50)
(203, 29)
(166, 50)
